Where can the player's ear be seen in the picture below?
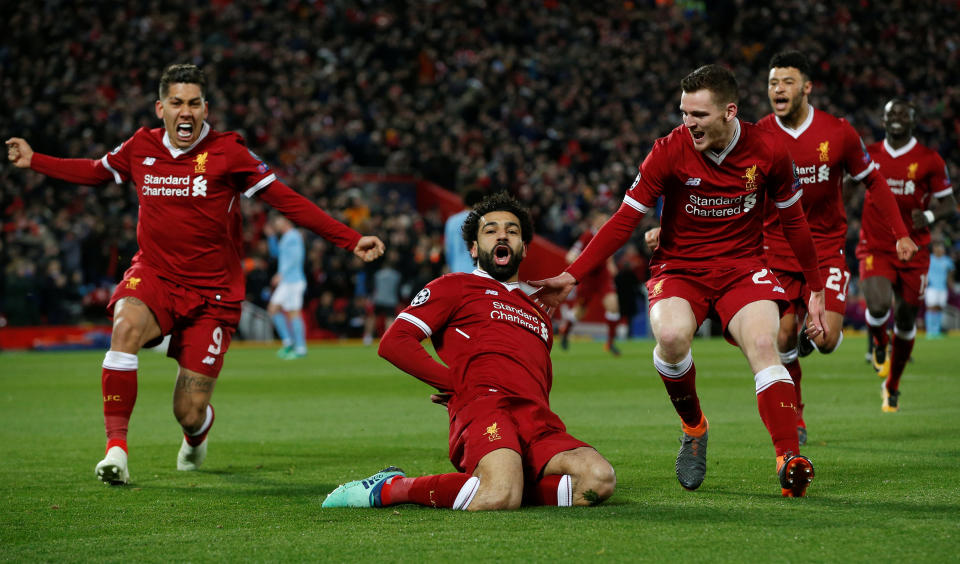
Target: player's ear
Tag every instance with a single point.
(473, 250)
(159, 106)
(807, 87)
(523, 254)
(731, 112)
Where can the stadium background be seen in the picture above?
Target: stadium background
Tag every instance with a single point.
(555, 102)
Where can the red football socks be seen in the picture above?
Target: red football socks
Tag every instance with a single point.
(551, 490)
(796, 374)
(898, 360)
(118, 381)
(438, 491)
(778, 410)
(680, 381)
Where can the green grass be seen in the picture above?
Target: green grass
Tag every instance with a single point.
(289, 432)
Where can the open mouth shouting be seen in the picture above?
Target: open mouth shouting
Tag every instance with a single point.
(502, 254)
(781, 104)
(184, 132)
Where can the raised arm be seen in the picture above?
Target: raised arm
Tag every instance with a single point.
(89, 172)
(306, 214)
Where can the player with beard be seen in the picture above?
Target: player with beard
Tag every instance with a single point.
(186, 279)
(915, 174)
(714, 173)
(494, 340)
(823, 147)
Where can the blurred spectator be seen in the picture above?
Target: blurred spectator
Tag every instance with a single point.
(554, 102)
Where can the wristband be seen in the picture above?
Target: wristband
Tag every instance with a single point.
(930, 218)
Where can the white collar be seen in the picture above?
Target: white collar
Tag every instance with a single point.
(718, 157)
(175, 152)
(483, 274)
(896, 153)
(803, 126)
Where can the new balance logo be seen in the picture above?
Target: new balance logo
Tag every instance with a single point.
(692, 182)
(493, 292)
(209, 361)
(149, 161)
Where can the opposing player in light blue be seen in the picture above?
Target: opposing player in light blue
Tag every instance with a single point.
(935, 296)
(454, 249)
(286, 303)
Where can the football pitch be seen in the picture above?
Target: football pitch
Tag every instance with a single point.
(287, 432)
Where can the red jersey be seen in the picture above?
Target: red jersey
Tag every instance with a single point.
(823, 147)
(915, 174)
(189, 227)
(472, 315)
(712, 202)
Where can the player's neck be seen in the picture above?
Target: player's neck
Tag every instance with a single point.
(795, 119)
(898, 141)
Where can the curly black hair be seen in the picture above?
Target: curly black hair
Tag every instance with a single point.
(500, 201)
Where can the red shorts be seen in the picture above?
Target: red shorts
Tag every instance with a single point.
(835, 277)
(722, 290)
(491, 422)
(597, 282)
(200, 329)
(909, 279)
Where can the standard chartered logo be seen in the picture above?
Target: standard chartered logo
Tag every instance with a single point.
(176, 186)
(823, 173)
(720, 206)
(200, 186)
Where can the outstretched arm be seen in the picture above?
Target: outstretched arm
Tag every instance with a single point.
(401, 346)
(88, 172)
(305, 213)
(614, 233)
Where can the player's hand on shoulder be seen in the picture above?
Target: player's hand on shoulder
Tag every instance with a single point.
(369, 248)
(919, 219)
(906, 248)
(554, 290)
(19, 152)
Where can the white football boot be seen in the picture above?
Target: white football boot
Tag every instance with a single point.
(113, 468)
(191, 457)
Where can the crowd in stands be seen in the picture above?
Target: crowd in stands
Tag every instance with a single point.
(556, 102)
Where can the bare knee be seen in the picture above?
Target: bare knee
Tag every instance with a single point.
(126, 335)
(673, 344)
(595, 485)
(495, 497)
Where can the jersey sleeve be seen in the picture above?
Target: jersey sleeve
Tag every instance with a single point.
(783, 183)
(433, 307)
(429, 311)
(115, 166)
(250, 172)
(856, 158)
(940, 183)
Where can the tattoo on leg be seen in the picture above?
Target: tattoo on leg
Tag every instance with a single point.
(592, 497)
(189, 384)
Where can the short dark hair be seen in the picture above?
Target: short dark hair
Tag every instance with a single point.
(794, 59)
(718, 80)
(500, 201)
(182, 74)
(903, 102)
